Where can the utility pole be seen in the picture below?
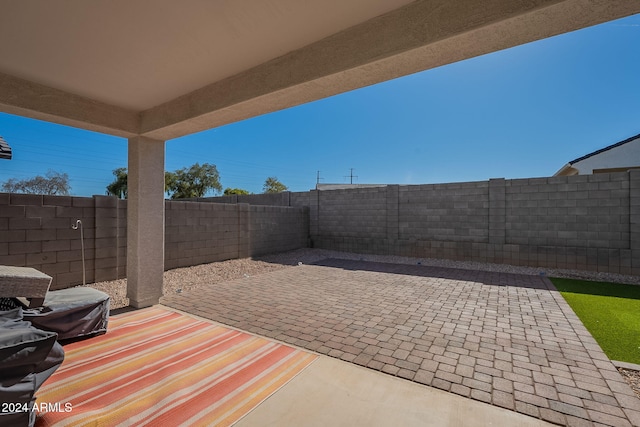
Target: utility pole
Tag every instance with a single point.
(318, 179)
(351, 176)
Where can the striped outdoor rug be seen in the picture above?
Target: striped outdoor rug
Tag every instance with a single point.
(158, 367)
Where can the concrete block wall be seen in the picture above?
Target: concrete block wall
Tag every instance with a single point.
(35, 231)
(353, 213)
(286, 198)
(589, 211)
(271, 199)
(589, 223)
(197, 233)
(122, 239)
(299, 199)
(444, 212)
(107, 239)
(634, 220)
(277, 229)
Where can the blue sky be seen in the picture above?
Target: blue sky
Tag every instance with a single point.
(519, 113)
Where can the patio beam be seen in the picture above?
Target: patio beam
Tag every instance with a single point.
(145, 221)
(420, 36)
(28, 99)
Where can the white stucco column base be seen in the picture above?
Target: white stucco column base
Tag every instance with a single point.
(145, 221)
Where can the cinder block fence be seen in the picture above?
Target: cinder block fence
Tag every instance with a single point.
(197, 233)
(35, 231)
(582, 222)
(589, 222)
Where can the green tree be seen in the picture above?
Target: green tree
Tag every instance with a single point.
(194, 181)
(118, 187)
(230, 191)
(272, 185)
(53, 184)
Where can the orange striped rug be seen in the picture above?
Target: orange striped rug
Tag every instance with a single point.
(162, 368)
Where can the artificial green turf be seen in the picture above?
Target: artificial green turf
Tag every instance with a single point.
(610, 311)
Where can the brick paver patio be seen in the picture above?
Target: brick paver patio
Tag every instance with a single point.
(506, 339)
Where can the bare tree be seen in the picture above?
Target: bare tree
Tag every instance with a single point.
(53, 184)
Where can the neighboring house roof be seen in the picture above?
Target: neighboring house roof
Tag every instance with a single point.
(617, 144)
(604, 160)
(5, 150)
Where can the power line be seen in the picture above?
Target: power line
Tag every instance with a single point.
(351, 175)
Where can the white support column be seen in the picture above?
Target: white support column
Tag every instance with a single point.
(145, 221)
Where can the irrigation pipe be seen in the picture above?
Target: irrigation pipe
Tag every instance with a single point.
(77, 225)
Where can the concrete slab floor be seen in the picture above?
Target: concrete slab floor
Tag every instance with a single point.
(331, 392)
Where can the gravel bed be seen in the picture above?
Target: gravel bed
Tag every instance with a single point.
(633, 378)
(190, 278)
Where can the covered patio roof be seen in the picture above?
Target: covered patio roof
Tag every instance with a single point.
(156, 70)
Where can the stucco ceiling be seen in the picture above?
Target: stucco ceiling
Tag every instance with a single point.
(167, 68)
(139, 54)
